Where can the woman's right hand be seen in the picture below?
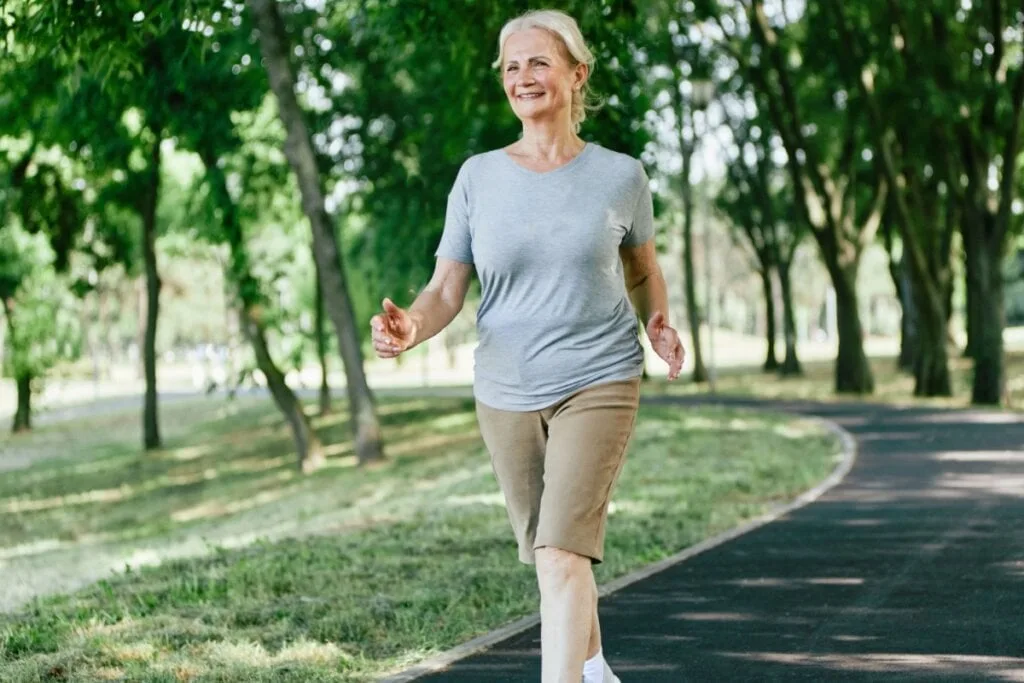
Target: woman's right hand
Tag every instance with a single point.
(393, 330)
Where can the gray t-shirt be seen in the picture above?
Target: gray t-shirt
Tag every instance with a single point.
(554, 316)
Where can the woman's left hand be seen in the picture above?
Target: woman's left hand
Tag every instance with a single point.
(665, 342)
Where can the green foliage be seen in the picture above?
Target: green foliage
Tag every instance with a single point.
(42, 327)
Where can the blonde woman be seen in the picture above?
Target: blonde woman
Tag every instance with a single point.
(560, 233)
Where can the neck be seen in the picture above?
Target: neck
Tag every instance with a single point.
(549, 140)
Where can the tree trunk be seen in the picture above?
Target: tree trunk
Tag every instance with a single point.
(23, 380)
(308, 447)
(909, 325)
(321, 350)
(791, 363)
(931, 361)
(988, 311)
(771, 363)
(971, 288)
(853, 372)
(150, 419)
(700, 372)
(299, 152)
(23, 415)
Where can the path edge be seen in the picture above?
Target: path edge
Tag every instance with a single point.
(848, 456)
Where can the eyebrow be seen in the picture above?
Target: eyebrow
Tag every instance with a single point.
(532, 59)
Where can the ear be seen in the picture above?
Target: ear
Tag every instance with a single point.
(580, 76)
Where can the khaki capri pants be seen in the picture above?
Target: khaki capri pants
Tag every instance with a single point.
(557, 466)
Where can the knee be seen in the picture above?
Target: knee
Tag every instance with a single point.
(557, 567)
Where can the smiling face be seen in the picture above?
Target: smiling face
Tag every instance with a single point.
(538, 76)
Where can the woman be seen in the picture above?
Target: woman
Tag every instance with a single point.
(560, 232)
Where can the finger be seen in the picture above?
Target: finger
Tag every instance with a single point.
(386, 351)
(390, 308)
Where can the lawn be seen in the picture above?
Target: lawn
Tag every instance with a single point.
(241, 569)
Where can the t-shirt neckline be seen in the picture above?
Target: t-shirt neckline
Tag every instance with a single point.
(575, 161)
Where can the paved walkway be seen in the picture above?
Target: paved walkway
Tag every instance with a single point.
(912, 569)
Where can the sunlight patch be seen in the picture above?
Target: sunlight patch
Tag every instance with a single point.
(44, 545)
(254, 654)
(745, 424)
(108, 673)
(97, 496)
(770, 582)
(979, 456)
(190, 452)
(336, 449)
(479, 499)
(132, 652)
(427, 443)
(218, 508)
(403, 407)
(992, 483)
(714, 616)
(453, 420)
(1002, 668)
(635, 507)
(797, 430)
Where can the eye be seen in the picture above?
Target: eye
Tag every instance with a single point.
(511, 67)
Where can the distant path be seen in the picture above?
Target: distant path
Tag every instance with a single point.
(912, 569)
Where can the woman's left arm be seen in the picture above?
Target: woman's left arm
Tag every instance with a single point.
(645, 283)
(646, 287)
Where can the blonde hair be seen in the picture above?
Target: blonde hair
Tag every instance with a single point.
(565, 28)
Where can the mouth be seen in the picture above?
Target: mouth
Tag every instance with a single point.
(529, 95)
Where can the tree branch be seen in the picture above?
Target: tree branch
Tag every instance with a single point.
(988, 108)
(791, 132)
(1010, 150)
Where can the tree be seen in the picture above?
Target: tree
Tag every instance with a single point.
(756, 199)
(680, 54)
(330, 267)
(905, 138)
(37, 307)
(844, 215)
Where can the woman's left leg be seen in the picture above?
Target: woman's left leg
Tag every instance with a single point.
(587, 438)
(567, 598)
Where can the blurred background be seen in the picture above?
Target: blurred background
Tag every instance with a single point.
(203, 202)
(835, 182)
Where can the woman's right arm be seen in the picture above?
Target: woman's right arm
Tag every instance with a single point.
(441, 300)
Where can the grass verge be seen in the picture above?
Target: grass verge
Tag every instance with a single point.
(354, 572)
(892, 387)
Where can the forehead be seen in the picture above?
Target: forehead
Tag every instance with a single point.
(533, 42)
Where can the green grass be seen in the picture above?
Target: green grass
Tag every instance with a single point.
(363, 570)
(818, 384)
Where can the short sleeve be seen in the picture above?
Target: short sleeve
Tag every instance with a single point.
(642, 228)
(456, 241)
